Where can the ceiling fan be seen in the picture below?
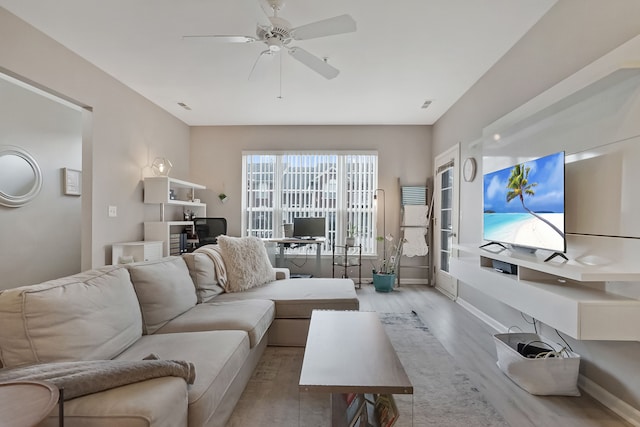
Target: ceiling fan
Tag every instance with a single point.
(277, 33)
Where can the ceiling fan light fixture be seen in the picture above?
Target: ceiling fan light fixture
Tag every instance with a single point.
(275, 44)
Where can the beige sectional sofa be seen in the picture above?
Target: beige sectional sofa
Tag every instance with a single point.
(172, 308)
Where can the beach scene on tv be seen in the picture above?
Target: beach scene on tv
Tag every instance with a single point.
(524, 204)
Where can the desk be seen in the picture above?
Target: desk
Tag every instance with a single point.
(288, 241)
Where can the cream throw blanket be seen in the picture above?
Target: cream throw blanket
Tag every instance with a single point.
(416, 222)
(87, 377)
(213, 252)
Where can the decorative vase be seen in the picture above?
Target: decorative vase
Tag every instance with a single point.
(384, 282)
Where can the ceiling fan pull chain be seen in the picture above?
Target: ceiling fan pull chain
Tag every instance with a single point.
(280, 96)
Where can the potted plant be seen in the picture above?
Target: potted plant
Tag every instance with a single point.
(352, 231)
(384, 276)
(223, 197)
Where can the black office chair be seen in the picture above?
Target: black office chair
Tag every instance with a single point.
(208, 230)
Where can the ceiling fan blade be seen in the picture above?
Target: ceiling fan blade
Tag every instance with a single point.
(260, 66)
(221, 39)
(327, 27)
(313, 62)
(262, 14)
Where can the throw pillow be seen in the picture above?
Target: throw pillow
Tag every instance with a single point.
(164, 289)
(246, 261)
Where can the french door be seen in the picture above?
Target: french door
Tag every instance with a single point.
(445, 224)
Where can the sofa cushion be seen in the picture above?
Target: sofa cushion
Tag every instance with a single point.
(159, 402)
(296, 298)
(164, 288)
(88, 316)
(251, 316)
(203, 274)
(246, 261)
(218, 357)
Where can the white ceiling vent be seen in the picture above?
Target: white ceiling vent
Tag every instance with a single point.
(426, 104)
(185, 106)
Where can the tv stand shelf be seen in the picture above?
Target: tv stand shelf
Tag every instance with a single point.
(568, 296)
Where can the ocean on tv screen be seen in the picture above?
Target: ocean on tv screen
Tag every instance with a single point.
(524, 204)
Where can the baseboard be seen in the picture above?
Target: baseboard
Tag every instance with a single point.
(413, 281)
(446, 293)
(493, 323)
(620, 407)
(403, 281)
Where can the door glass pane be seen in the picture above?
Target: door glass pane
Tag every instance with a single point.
(447, 178)
(446, 219)
(444, 261)
(446, 225)
(446, 198)
(444, 238)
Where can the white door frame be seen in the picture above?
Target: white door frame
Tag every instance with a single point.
(449, 160)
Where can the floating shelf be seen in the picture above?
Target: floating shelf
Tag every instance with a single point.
(566, 296)
(156, 191)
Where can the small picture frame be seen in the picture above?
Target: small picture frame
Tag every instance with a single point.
(72, 182)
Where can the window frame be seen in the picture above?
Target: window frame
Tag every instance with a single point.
(365, 211)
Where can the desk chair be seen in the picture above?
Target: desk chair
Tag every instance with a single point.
(208, 230)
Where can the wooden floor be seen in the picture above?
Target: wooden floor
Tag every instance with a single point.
(470, 342)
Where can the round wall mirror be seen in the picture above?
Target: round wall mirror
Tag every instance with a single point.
(20, 177)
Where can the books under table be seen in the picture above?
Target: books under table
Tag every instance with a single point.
(370, 410)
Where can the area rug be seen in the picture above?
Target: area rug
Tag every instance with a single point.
(443, 396)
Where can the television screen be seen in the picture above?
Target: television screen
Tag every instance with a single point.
(524, 204)
(309, 227)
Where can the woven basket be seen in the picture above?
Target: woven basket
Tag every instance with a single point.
(541, 376)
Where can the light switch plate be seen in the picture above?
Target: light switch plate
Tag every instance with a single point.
(113, 211)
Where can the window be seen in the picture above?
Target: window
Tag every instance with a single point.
(338, 186)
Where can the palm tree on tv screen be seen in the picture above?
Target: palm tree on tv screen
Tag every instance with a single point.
(519, 186)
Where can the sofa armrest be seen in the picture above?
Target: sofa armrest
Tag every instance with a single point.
(282, 273)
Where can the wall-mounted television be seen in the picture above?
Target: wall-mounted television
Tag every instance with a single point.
(309, 227)
(524, 204)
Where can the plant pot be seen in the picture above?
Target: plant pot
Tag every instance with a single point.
(384, 282)
(351, 241)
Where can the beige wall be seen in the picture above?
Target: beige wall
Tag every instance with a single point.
(572, 35)
(52, 133)
(216, 156)
(123, 134)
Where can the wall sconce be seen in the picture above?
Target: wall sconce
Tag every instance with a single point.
(161, 166)
(384, 219)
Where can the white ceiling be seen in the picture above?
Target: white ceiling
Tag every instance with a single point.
(404, 53)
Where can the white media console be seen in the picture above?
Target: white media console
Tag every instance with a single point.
(572, 296)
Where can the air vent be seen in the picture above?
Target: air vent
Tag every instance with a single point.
(426, 104)
(185, 106)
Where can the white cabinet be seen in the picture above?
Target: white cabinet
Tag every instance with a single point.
(569, 296)
(122, 253)
(169, 193)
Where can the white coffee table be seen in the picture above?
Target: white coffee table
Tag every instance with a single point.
(349, 352)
